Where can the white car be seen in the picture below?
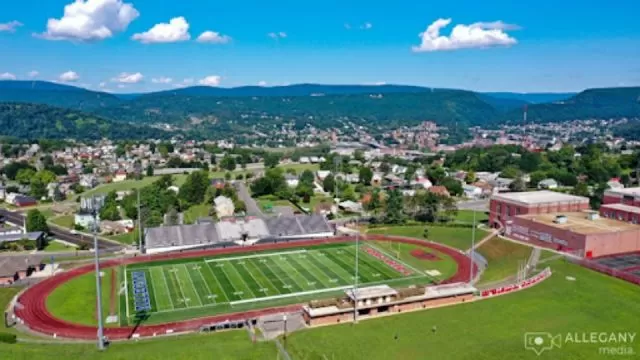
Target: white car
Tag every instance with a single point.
(74, 232)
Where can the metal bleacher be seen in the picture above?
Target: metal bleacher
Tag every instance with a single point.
(314, 224)
(284, 226)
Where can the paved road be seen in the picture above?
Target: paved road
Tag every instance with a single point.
(477, 205)
(252, 206)
(62, 234)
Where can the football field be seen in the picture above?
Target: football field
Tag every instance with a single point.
(256, 278)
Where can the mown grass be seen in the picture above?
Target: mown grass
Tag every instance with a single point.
(401, 251)
(503, 258)
(457, 237)
(491, 329)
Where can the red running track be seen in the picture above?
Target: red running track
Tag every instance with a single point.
(36, 316)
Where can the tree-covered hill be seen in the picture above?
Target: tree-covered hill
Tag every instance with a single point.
(42, 92)
(38, 121)
(603, 103)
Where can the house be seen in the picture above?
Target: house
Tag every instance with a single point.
(548, 184)
(85, 219)
(325, 208)
(224, 206)
(174, 188)
(439, 190)
(291, 180)
(350, 206)
(22, 201)
(421, 182)
(217, 183)
(51, 189)
(322, 174)
(120, 175)
(305, 160)
(614, 184)
(113, 227)
(376, 179)
(88, 181)
(500, 184)
(472, 192)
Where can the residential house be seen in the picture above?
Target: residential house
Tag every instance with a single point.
(120, 175)
(376, 179)
(421, 182)
(218, 183)
(322, 174)
(224, 206)
(548, 184)
(614, 184)
(88, 181)
(350, 206)
(439, 190)
(291, 180)
(23, 201)
(472, 192)
(500, 184)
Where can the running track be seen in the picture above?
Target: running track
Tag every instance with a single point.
(32, 309)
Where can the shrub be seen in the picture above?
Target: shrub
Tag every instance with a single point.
(8, 338)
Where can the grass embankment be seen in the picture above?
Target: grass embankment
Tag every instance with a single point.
(503, 259)
(457, 237)
(491, 329)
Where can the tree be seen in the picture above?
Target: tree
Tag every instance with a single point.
(305, 191)
(365, 175)
(530, 161)
(227, 176)
(150, 170)
(536, 177)
(194, 188)
(307, 177)
(453, 186)
(436, 175)
(385, 167)
(38, 189)
(358, 155)
(510, 172)
(271, 183)
(374, 204)
(394, 213)
(581, 189)
(109, 212)
(228, 162)
(11, 170)
(518, 184)
(36, 221)
(329, 183)
(172, 217)
(470, 177)
(24, 176)
(348, 193)
(271, 160)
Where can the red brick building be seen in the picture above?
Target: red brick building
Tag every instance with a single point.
(583, 232)
(628, 196)
(621, 212)
(503, 208)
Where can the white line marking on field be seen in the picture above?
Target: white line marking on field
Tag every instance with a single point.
(193, 285)
(273, 286)
(256, 256)
(175, 271)
(197, 268)
(224, 293)
(166, 284)
(126, 291)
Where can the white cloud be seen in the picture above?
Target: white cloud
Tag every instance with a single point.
(33, 73)
(7, 76)
(188, 81)
(175, 31)
(162, 80)
(277, 35)
(128, 78)
(91, 20)
(262, 83)
(213, 37)
(121, 86)
(477, 35)
(366, 26)
(212, 80)
(69, 76)
(103, 85)
(11, 26)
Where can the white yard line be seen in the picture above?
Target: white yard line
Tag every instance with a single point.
(299, 275)
(195, 291)
(243, 280)
(266, 277)
(324, 275)
(211, 294)
(279, 278)
(310, 292)
(256, 256)
(174, 273)
(155, 294)
(254, 278)
(166, 284)
(394, 258)
(224, 293)
(232, 285)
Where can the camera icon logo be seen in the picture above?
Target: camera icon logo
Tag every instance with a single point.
(539, 342)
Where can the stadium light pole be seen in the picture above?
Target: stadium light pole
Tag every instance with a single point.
(473, 244)
(355, 280)
(139, 225)
(98, 282)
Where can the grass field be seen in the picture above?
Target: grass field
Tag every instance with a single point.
(65, 221)
(503, 258)
(459, 238)
(466, 216)
(401, 251)
(54, 246)
(491, 329)
(232, 283)
(131, 185)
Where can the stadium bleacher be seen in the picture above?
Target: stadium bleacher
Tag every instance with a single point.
(235, 231)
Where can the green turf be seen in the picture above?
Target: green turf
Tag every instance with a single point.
(503, 259)
(216, 285)
(491, 329)
(446, 265)
(197, 211)
(131, 184)
(126, 238)
(75, 300)
(457, 237)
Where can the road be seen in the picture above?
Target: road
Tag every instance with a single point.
(66, 235)
(252, 206)
(477, 205)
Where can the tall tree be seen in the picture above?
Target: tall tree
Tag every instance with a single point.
(365, 175)
(329, 183)
(271, 160)
(36, 221)
(394, 213)
(194, 188)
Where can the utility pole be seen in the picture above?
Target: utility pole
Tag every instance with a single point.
(98, 282)
(139, 225)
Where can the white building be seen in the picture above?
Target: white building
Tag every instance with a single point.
(224, 206)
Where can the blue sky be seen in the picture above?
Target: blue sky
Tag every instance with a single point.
(498, 46)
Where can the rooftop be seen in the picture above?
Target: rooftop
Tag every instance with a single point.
(539, 197)
(371, 292)
(578, 223)
(624, 191)
(623, 207)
